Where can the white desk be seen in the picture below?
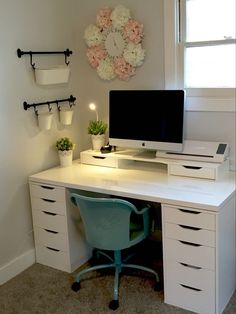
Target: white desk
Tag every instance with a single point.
(199, 275)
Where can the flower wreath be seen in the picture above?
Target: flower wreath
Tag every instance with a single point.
(114, 43)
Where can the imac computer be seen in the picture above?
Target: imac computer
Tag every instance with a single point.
(147, 119)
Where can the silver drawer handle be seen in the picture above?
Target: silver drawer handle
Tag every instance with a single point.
(47, 187)
(51, 231)
(190, 266)
(48, 213)
(52, 249)
(190, 243)
(191, 288)
(47, 200)
(189, 211)
(191, 228)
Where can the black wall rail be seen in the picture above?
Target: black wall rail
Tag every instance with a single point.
(71, 101)
(20, 53)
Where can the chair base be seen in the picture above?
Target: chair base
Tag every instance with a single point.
(117, 265)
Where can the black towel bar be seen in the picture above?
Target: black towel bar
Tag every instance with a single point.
(71, 101)
(20, 53)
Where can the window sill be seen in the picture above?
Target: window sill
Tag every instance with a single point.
(210, 104)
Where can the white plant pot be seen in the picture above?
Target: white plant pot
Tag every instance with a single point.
(98, 141)
(65, 157)
(66, 116)
(45, 120)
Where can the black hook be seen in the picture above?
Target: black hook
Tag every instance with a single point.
(31, 60)
(49, 107)
(35, 110)
(67, 53)
(66, 62)
(58, 107)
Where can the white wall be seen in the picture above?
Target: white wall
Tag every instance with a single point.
(29, 25)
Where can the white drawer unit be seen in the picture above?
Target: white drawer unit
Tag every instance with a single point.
(58, 243)
(189, 242)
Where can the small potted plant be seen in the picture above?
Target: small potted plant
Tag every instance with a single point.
(97, 129)
(65, 148)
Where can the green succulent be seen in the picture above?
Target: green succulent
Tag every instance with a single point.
(96, 127)
(64, 143)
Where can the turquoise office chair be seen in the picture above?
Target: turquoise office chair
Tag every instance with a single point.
(108, 226)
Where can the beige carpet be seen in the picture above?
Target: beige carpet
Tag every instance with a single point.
(44, 290)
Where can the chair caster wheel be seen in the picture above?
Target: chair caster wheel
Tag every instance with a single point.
(114, 304)
(75, 286)
(158, 286)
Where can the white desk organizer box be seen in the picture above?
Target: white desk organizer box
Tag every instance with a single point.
(175, 164)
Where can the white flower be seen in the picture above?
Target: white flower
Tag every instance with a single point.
(93, 35)
(106, 69)
(120, 16)
(134, 54)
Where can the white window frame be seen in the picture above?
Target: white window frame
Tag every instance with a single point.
(197, 99)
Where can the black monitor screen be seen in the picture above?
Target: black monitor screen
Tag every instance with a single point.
(146, 115)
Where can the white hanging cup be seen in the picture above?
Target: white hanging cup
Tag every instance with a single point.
(66, 116)
(45, 120)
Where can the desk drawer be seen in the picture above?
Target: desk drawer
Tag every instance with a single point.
(47, 192)
(196, 277)
(48, 205)
(50, 238)
(193, 234)
(98, 159)
(50, 221)
(190, 298)
(53, 258)
(190, 253)
(194, 172)
(188, 217)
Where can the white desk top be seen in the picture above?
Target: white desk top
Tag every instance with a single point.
(149, 185)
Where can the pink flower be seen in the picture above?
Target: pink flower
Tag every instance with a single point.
(104, 17)
(95, 54)
(133, 31)
(123, 69)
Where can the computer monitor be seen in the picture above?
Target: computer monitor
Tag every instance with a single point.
(147, 119)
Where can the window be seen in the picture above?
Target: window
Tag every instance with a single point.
(207, 46)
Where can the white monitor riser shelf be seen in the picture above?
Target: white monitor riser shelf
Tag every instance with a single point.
(189, 163)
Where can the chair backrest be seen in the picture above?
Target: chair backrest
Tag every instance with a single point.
(106, 221)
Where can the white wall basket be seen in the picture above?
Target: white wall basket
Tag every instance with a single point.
(52, 75)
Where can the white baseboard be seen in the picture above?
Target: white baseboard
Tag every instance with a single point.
(16, 266)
